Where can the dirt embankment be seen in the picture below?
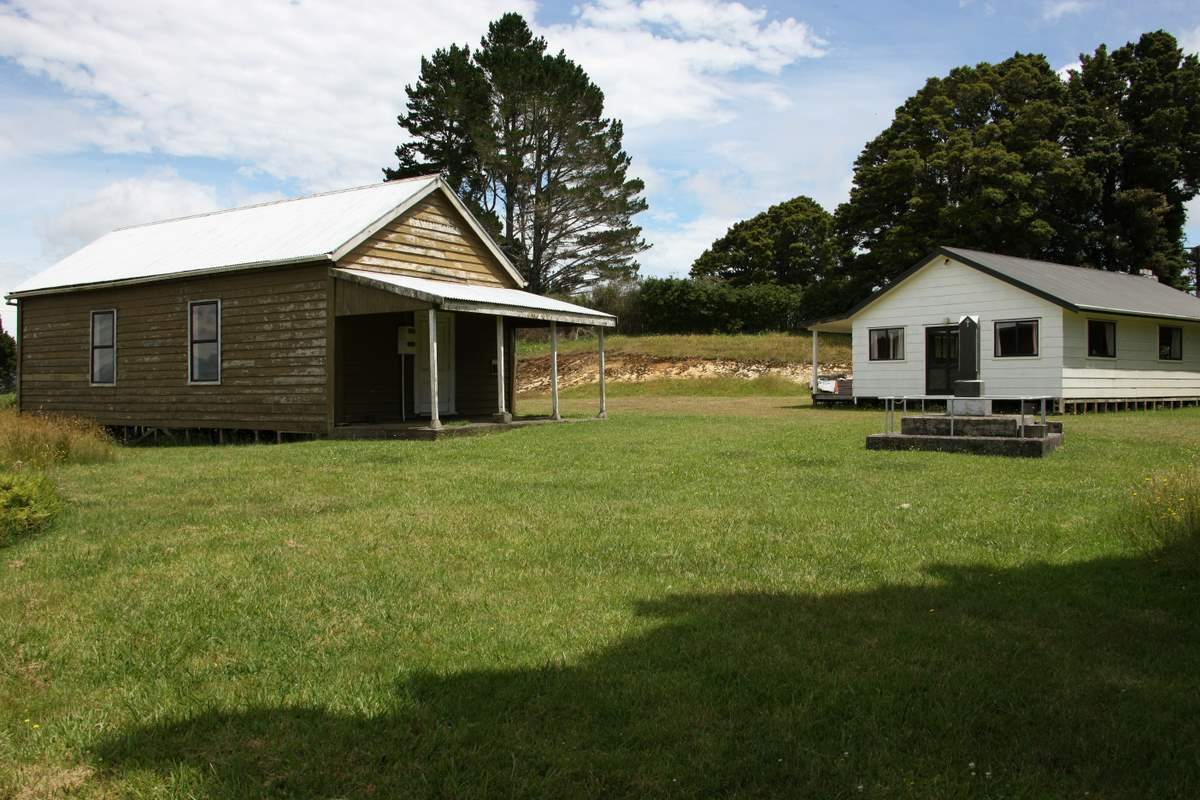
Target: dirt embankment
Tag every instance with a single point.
(533, 374)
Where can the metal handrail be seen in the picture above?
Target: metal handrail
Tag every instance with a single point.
(889, 407)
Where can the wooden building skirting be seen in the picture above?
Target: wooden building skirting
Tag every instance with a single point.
(1093, 405)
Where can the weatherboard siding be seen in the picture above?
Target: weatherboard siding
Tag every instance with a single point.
(1136, 371)
(273, 353)
(433, 241)
(942, 293)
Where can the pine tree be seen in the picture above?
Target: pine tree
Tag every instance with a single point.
(522, 135)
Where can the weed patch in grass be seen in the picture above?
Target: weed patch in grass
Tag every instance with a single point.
(28, 502)
(1162, 517)
(40, 440)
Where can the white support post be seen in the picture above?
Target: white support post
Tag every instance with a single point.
(434, 420)
(814, 363)
(501, 409)
(603, 404)
(554, 411)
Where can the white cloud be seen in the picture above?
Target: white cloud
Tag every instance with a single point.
(1190, 40)
(1061, 8)
(300, 90)
(311, 90)
(766, 157)
(157, 196)
(1065, 70)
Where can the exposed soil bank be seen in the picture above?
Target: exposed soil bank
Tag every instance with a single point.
(533, 374)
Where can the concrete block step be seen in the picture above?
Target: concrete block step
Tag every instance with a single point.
(995, 425)
(979, 445)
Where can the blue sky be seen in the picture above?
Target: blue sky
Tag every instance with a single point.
(118, 113)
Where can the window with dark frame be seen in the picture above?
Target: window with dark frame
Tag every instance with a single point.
(1101, 338)
(1170, 343)
(1016, 338)
(104, 348)
(204, 341)
(887, 344)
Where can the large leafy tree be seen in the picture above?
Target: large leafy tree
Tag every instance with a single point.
(790, 243)
(1134, 121)
(521, 135)
(972, 159)
(1008, 157)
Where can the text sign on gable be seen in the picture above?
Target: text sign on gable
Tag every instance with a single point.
(407, 340)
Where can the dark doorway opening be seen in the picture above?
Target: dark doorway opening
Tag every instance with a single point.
(941, 359)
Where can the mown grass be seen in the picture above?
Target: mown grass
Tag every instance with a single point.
(782, 347)
(703, 596)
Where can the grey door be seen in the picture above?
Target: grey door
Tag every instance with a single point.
(941, 359)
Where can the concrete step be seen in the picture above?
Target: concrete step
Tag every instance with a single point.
(979, 445)
(995, 426)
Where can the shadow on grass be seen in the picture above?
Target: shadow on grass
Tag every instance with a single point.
(1043, 681)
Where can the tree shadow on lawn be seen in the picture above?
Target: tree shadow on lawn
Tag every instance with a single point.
(1045, 681)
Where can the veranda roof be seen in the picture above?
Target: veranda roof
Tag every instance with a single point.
(479, 299)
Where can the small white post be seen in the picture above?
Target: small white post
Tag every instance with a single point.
(434, 420)
(603, 405)
(814, 363)
(501, 411)
(554, 371)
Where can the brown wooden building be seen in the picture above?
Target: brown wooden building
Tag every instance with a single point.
(364, 306)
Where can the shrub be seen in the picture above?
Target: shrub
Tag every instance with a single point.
(27, 504)
(1163, 516)
(37, 440)
(677, 305)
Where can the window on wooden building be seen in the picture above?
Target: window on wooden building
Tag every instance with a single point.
(204, 341)
(887, 344)
(104, 348)
(1101, 338)
(1016, 338)
(1170, 343)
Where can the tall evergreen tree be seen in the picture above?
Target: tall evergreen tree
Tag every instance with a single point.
(972, 159)
(522, 135)
(1009, 158)
(1134, 120)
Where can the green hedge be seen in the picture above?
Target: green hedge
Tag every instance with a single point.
(678, 305)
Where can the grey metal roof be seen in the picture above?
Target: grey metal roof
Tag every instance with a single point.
(1078, 289)
(1084, 289)
(479, 299)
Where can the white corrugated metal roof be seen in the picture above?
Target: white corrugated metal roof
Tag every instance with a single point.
(468, 297)
(303, 229)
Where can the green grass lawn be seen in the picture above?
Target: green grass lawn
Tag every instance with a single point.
(703, 596)
(792, 348)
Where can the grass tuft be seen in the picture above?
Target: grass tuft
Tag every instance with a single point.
(1163, 515)
(40, 441)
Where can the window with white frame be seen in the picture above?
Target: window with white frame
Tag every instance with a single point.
(887, 344)
(1170, 343)
(104, 348)
(1016, 338)
(204, 341)
(1101, 338)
